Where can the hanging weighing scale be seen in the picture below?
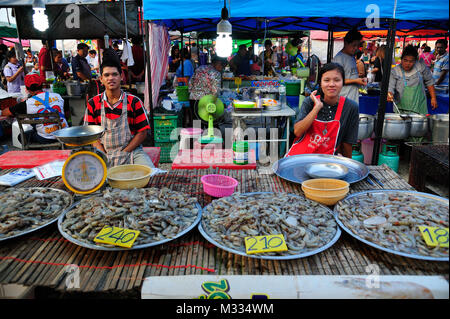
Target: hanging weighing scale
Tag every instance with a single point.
(85, 170)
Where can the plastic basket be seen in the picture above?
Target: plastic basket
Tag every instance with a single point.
(168, 151)
(292, 88)
(217, 185)
(164, 125)
(183, 93)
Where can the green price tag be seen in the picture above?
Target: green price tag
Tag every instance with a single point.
(265, 244)
(117, 236)
(434, 236)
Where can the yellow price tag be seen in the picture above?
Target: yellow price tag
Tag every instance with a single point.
(265, 244)
(117, 236)
(434, 236)
(237, 80)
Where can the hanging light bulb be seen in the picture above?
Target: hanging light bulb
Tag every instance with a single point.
(40, 19)
(224, 42)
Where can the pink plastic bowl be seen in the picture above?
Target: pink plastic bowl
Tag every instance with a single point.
(218, 185)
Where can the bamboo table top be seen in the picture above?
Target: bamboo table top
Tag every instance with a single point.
(40, 259)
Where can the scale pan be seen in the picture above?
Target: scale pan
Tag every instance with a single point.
(79, 135)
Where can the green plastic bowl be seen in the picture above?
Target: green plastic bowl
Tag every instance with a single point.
(244, 104)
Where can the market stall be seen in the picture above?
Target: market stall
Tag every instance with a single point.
(130, 242)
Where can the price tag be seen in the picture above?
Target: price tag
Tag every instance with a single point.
(117, 236)
(265, 244)
(434, 236)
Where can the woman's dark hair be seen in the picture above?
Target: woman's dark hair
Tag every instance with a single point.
(11, 54)
(172, 51)
(409, 50)
(185, 54)
(358, 54)
(427, 49)
(329, 67)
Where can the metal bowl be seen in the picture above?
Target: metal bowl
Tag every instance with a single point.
(396, 126)
(79, 135)
(326, 170)
(366, 125)
(419, 125)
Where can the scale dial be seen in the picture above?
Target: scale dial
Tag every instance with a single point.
(84, 172)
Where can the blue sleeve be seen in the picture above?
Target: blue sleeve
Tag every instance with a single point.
(188, 69)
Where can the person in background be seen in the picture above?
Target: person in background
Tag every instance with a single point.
(80, 66)
(194, 53)
(407, 84)
(378, 64)
(440, 70)
(59, 68)
(206, 80)
(39, 102)
(174, 59)
(327, 122)
(44, 58)
(427, 57)
(92, 59)
(29, 58)
(346, 58)
(35, 69)
(360, 65)
(240, 63)
(188, 70)
(123, 116)
(14, 72)
(365, 57)
(268, 57)
(116, 48)
(137, 71)
(421, 49)
(283, 58)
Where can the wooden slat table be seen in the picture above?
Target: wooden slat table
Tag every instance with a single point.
(39, 259)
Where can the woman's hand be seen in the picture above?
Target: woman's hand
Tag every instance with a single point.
(390, 97)
(317, 102)
(434, 103)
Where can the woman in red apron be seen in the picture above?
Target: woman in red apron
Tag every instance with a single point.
(327, 122)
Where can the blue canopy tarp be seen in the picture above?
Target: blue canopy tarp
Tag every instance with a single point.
(249, 15)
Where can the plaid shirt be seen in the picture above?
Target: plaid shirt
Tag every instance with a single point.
(137, 118)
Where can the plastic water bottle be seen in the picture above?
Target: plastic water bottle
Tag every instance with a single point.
(282, 91)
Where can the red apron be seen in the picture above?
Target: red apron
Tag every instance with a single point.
(321, 137)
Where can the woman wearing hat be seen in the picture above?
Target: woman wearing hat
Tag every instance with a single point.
(39, 102)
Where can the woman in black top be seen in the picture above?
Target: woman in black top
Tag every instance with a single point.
(379, 63)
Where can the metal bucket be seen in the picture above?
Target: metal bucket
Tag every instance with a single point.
(366, 125)
(396, 126)
(439, 128)
(419, 125)
(73, 88)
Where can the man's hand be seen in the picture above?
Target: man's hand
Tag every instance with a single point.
(362, 81)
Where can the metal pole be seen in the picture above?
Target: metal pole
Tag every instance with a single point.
(181, 54)
(390, 41)
(330, 45)
(149, 77)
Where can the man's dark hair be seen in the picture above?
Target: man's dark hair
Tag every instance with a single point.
(443, 42)
(110, 63)
(111, 59)
(81, 46)
(353, 35)
(427, 49)
(217, 59)
(185, 54)
(92, 52)
(268, 42)
(410, 50)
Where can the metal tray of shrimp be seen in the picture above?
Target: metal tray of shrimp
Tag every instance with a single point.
(330, 243)
(97, 247)
(375, 221)
(30, 230)
(293, 168)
